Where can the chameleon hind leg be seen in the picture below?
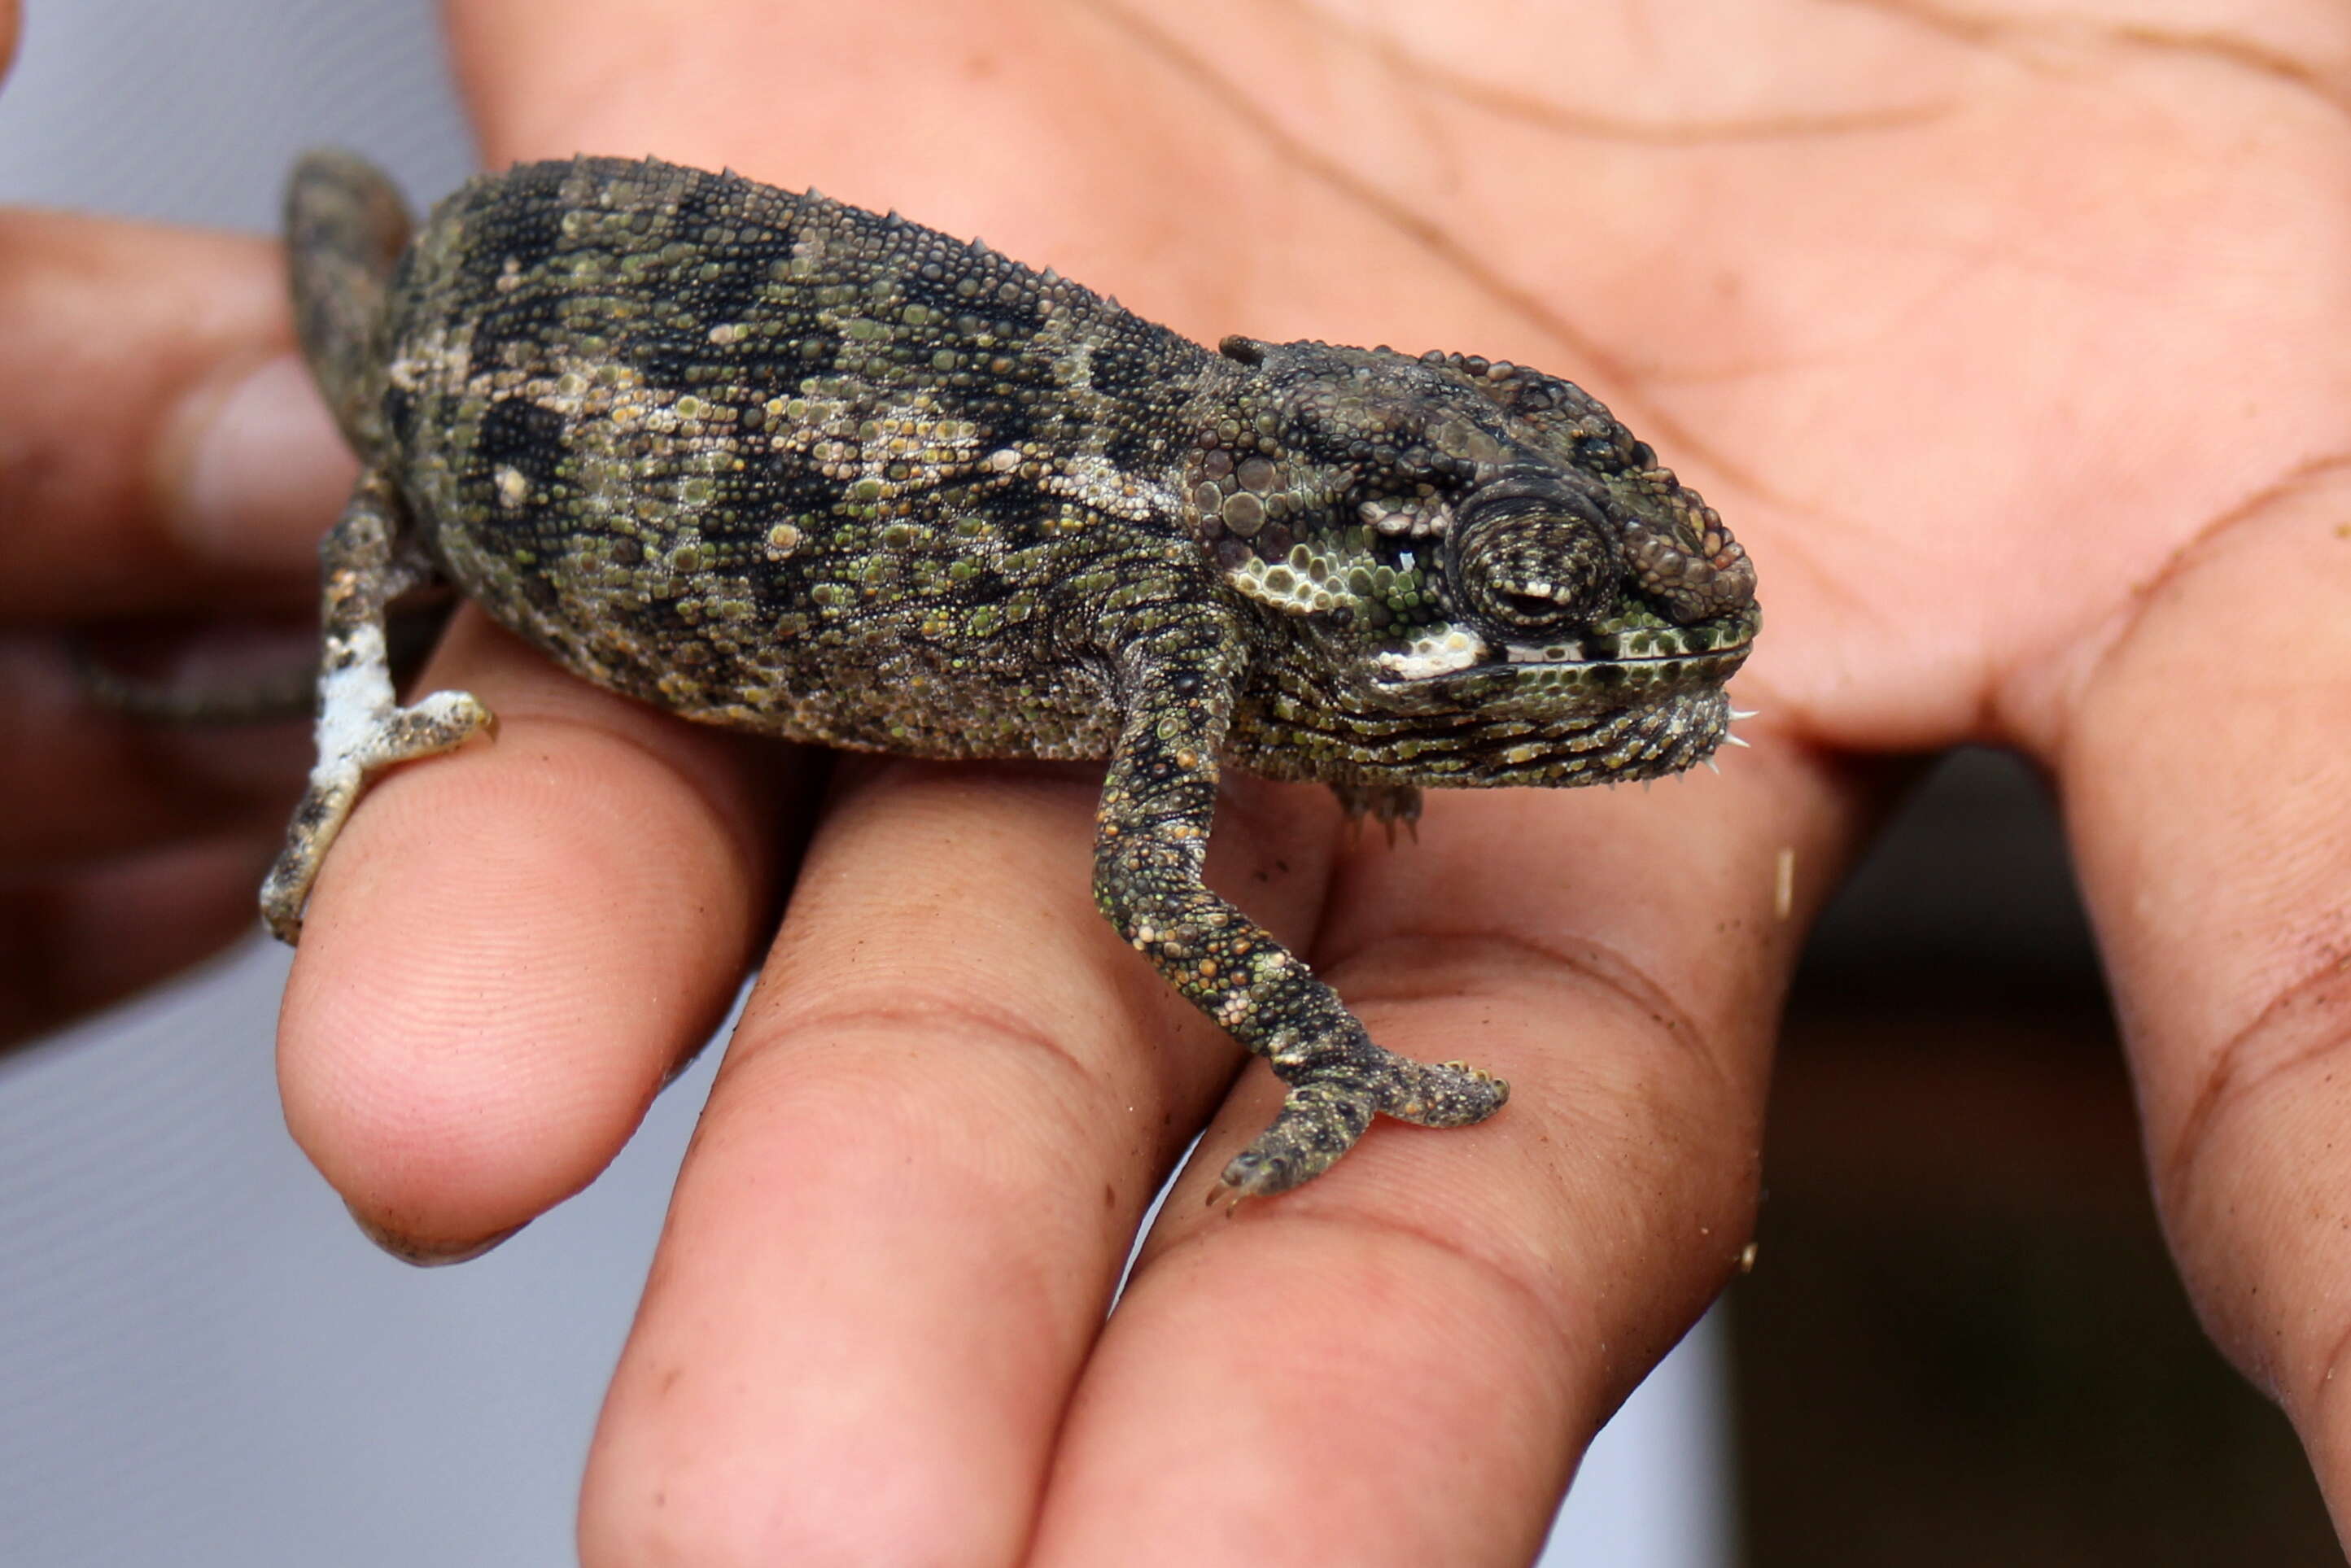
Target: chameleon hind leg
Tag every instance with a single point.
(368, 560)
(1151, 836)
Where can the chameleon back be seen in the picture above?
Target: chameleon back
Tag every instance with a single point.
(781, 464)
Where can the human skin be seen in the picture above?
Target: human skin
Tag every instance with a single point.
(2015, 343)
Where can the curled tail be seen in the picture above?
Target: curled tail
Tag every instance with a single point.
(345, 227)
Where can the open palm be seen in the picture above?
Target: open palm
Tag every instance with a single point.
(2015, 346)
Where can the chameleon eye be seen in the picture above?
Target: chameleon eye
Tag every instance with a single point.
(1530, 555)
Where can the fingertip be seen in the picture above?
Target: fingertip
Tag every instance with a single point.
(250, 466)
(427, 1254)
(509, 950)
(110, 333)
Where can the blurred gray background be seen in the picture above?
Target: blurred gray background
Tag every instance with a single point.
(200, 1361)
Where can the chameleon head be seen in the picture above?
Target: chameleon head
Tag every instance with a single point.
(1467, 573)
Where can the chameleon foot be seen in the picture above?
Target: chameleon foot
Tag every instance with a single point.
(1322, 1118)
(1447, 1094)
(352, 747)
(366, 561)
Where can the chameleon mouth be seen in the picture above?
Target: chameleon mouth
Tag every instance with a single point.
(1641, 650)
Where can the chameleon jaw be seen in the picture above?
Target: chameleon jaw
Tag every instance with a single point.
(1645, 657)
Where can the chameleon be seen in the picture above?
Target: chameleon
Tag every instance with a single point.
(774, 462)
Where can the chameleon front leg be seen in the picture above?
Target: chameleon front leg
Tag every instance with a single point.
(365, 562)
(1152, 837)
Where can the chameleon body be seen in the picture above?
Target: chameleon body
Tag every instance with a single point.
(773, 462)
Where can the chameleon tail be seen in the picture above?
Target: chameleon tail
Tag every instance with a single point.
(345, 227)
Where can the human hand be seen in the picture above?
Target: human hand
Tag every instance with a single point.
(162, 462)
(2012, 347)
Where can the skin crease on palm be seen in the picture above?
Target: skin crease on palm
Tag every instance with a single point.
(2015, 343)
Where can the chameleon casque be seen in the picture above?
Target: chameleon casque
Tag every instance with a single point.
(775, 463)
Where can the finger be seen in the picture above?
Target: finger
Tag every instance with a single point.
(513, 944)
(948, 1101)
(77, 782)
(2204, 782)
(159, 449)
(1401, 1363)
(74, 941)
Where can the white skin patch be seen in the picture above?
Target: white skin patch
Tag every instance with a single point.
(439, 357)
(1549, 653)
(354, 701)
(1096, 482)
(357, 730)
(1458, 649)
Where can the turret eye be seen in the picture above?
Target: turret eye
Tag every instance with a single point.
(1530, 555)
(1533, 605)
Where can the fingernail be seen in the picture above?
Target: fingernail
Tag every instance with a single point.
(258, 470)
(429, 1255)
